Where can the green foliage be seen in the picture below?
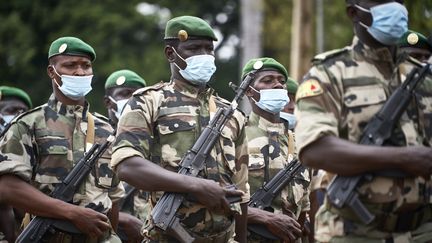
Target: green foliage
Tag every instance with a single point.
(124, 38)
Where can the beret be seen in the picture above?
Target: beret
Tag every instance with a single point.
(7, 91)
(124, 78)
(184, 27)
(268, 63)
(414, 39)
(71, 46)
(292, 86)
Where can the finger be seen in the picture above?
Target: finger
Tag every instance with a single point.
(233, 192)
(97, 233)
(102, 216)
(102, 225)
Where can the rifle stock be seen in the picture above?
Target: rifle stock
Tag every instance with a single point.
(64, 191)
(341, 190)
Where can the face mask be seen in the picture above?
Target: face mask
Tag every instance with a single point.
(390, 22)
(272, 100)
(120, 106)
(290, 118)
(199, 69)
(74, 87)
(7, 118)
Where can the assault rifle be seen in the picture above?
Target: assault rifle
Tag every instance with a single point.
(341, 191)
(164, 213)
(264, 196)
(64, 191)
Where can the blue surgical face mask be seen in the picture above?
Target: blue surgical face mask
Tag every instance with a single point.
(272, 100)
(199, 69)
(120, 106)
(390, 22)
(7, 118)
(290, 118)
(74, 87)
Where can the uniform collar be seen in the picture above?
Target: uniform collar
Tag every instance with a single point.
(264, 124)
(382, 54)
(192, 91)
(68, 110)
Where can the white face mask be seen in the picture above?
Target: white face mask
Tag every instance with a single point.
(290, 118)
(74, 87)
(120, 106)
(199, 69)
(272, 100)
(7, 118)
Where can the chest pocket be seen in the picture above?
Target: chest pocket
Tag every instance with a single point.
(176, 128)
(361, 104)
(256, 159)
(53, 164)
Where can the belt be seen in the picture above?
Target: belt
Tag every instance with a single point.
(406, 221)
(221, 237)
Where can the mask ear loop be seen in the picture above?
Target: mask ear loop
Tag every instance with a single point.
(179, 57)
(364, 10)
(255, 91)
(55, 81)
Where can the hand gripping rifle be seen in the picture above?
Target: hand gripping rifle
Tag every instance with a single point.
(264, 196)
(341, 191)
(64, 191)
(164, 213)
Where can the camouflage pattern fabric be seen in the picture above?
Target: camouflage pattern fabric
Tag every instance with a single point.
(160, 123)
(269, 141)
(340, 94)
(138, 204)
(43, 145)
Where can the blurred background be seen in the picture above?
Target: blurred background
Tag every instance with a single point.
(129, 34)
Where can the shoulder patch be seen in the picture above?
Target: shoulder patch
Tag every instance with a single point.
(151, 87)
(329, 54)
(309, 88)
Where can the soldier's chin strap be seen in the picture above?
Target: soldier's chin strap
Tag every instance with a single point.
(90, 131)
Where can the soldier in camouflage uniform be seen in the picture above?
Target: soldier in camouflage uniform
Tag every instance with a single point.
(42, 145)
(161, 122)
(339, 95)
(416, 45)
(13, 101)
(134, 207)
(271, 148)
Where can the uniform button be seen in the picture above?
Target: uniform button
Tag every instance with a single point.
(71, 111)
(176, 125)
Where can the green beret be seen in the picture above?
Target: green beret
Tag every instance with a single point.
(414, 39)
(184, 27)
(292, 86)
(268, 63)
(124, 78)
(7, 91)
(71, 46)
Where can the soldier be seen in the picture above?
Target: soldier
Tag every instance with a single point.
(134, 208)
(42, 145)
(338, 96)
(287, 113)
(119, 87)
(271, 148)
(161, 122)
(416, 45)
(13, 101)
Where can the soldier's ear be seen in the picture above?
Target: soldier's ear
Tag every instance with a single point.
(351, 12)
(50, 72)
(169, 53)
(107, 102)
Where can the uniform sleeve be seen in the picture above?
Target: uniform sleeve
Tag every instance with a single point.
(17, 155)
(134, 131)
(242, 161)
(317, 109)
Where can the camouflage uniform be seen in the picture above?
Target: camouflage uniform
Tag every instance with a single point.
(340, 94)
(136, 204)
(160, 123)
(275, 143)
(43, 144)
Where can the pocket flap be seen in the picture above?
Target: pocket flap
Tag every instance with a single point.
(364, 95)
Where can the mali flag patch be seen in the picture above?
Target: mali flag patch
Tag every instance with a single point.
(309, 88)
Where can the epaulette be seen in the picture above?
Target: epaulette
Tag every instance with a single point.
(329, 54)
(100, 116)
(156, 86)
